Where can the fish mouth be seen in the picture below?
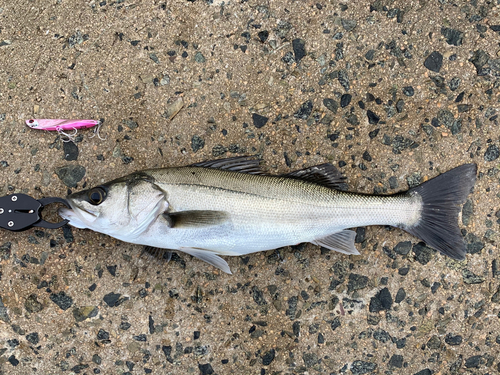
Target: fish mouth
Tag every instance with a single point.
(78, 217)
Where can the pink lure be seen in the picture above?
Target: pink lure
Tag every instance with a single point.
(60, 124)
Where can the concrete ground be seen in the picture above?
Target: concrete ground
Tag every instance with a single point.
(391, 92)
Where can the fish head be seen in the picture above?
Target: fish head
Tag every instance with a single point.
(123, 208)
(100, 208)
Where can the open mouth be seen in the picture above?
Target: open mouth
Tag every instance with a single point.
(77, 217)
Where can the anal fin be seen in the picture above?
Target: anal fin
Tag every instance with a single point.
(209, 257)
(343, 242)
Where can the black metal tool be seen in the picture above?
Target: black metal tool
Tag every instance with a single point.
(20, 212)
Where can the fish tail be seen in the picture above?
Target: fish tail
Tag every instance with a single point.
(441, 200)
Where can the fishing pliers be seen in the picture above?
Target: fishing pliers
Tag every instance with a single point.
(19, 212)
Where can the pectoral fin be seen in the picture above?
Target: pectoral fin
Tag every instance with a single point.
(195, 219)
(343, 242)
(209, 257)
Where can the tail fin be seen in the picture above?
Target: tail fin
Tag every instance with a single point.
(441, 200)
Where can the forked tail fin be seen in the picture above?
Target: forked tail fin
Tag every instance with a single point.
(441, 200)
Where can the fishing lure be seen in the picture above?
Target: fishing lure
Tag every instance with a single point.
(62, 125)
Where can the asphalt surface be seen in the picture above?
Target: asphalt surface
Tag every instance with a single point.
(391, 92)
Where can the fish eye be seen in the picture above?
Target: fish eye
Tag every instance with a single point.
(33, 123)
(97, 196)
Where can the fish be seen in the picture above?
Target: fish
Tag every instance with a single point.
(231, 207)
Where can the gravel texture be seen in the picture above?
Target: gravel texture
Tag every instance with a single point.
(391, 92)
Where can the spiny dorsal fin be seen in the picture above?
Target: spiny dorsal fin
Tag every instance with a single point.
(195, 219)
(242, 164)
(323, 174)
(343, 242)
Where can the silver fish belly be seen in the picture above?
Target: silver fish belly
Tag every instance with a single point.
(227, 207)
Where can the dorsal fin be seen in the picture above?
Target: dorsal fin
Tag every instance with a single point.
(242, 164)
(323, 174)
